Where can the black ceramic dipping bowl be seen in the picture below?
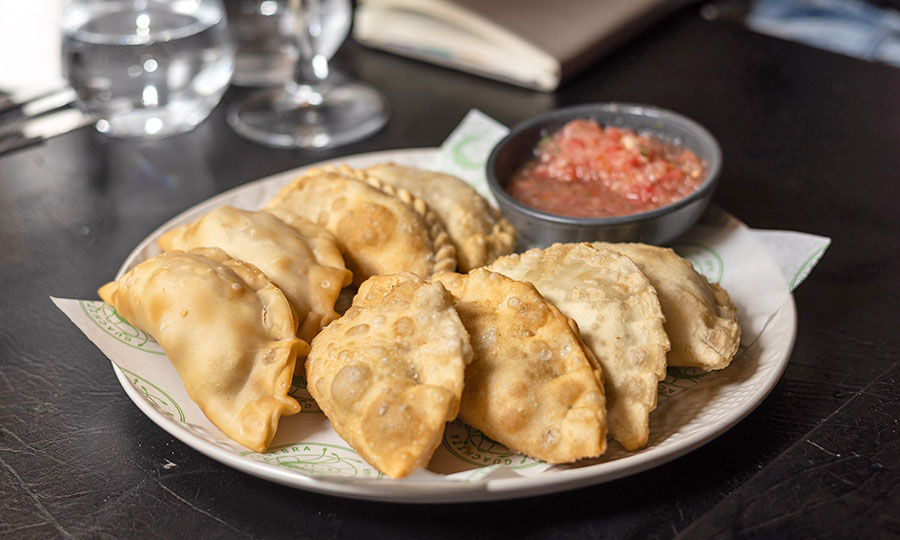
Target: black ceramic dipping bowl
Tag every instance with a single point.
(653, 227)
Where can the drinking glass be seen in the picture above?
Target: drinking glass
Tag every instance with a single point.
(317, 108)
(147, 68)
(262, 33)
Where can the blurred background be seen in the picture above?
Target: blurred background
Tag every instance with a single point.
(870, 30)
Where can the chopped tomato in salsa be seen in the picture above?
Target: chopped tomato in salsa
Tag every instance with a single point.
(587, 170)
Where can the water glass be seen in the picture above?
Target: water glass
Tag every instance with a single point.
(147, 68)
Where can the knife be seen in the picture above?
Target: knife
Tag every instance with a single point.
(37, 130)
(37, 104)
(15, 113)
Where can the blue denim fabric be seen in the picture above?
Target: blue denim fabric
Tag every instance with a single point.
(851, 27)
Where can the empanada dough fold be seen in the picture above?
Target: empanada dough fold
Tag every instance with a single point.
(389, 372)
(619, 318)
(399, 425)
(700, 318)
(533, 385)
(479, 232)
(229, 332)
(300, 257)
(379, 229)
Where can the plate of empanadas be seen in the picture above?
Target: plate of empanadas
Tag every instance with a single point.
(370, 328)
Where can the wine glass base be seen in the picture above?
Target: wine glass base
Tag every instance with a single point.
(300, 116)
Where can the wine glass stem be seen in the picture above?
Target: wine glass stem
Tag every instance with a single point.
(312, 66)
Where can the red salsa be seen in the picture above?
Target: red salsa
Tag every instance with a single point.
(587, 170)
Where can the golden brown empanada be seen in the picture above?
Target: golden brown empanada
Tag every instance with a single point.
(478, 231)
(619, 316)
(380, 230)
(700, 318)
(533, 385)
(226, 328)
(300, 257)
(389, 372)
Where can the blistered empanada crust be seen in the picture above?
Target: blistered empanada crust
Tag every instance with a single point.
(478, 231)
(226, 328)
(380, 229)
(389, 372)
(619, 317)
(533, 385)
(300, 257)
(700, 318)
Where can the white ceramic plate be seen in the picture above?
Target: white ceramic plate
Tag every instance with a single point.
(466, 467)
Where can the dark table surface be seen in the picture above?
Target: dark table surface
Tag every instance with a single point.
(810, 141)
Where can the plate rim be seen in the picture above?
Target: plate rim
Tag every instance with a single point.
(436, 492)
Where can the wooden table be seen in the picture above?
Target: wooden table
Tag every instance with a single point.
(810, 141)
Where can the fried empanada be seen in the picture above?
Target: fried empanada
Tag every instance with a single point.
(618, 313)
(700, 318)
(226, 328)
(380, 229)
(533, 385)
(300, 257)
(389, 372)
(478, 231)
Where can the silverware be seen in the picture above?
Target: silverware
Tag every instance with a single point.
(15, 107)
(33, 131)
(30, 120)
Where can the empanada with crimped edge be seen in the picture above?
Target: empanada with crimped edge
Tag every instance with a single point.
(380, 229)
(389, 372)
(700, 318)
(300, 257)
(533, 385)
(618, 313)
(479, 232)
(226, 328)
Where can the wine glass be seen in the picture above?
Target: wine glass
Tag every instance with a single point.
(317, 108)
